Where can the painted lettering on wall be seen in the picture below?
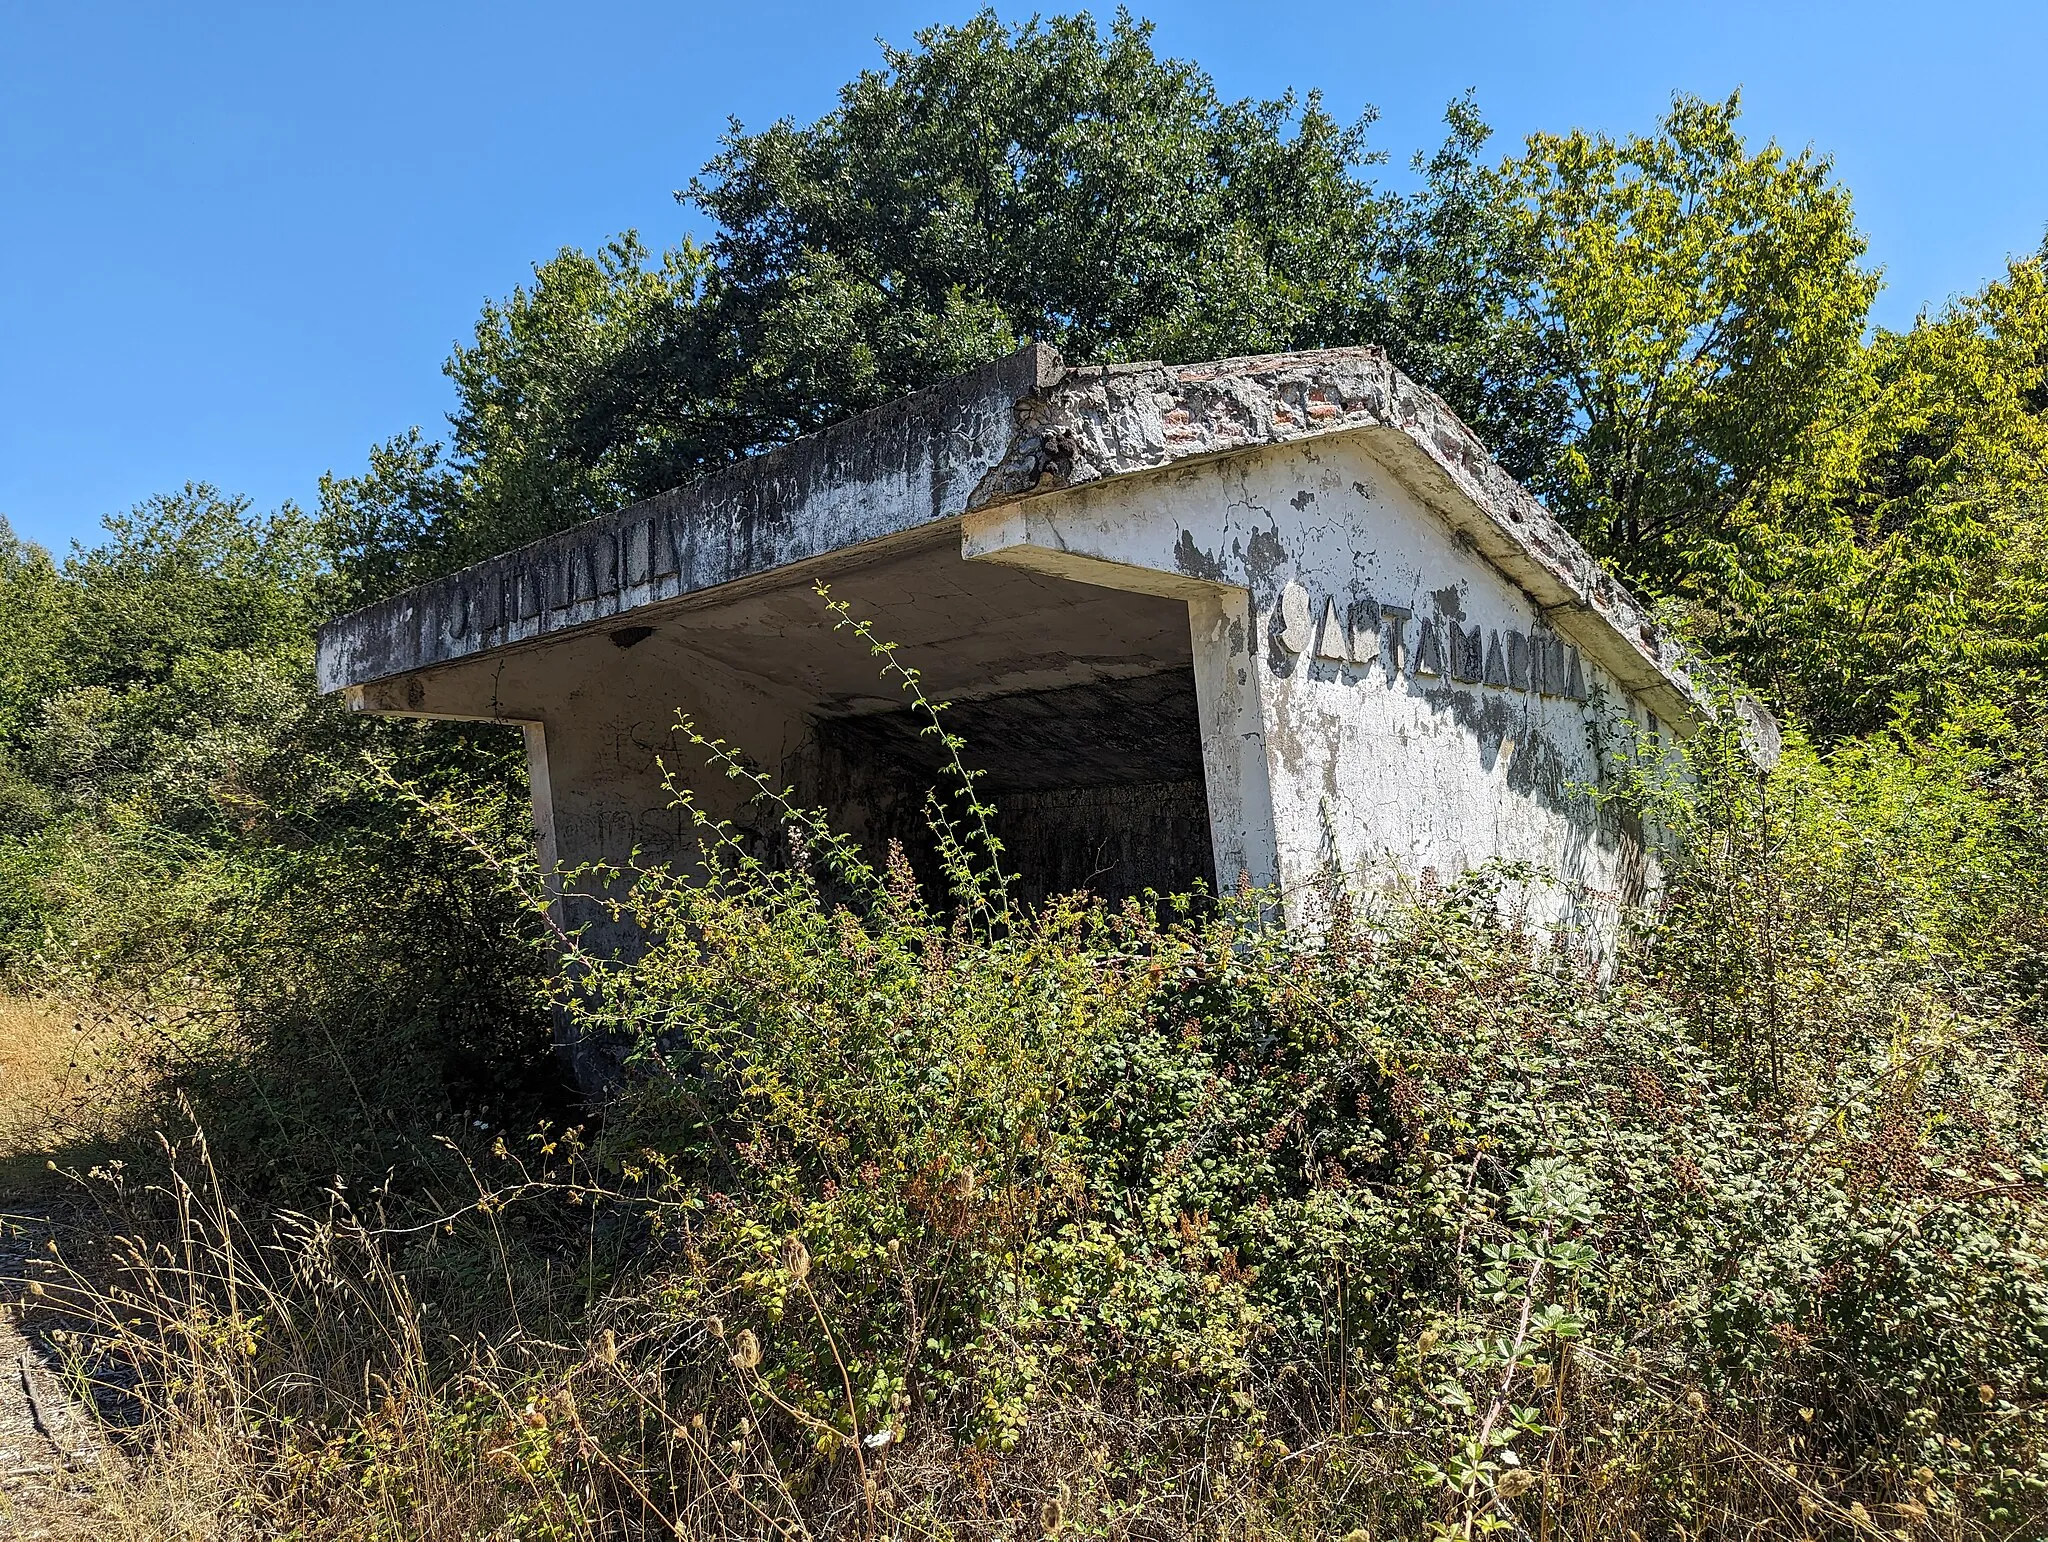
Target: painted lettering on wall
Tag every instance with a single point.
(1359, 632)
(554, 582)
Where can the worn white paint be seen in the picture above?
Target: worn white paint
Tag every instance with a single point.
(1295, 535)
(1331, 742)
(1242, 828)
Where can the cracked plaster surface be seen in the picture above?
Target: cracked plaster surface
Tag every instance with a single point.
(1021, 427)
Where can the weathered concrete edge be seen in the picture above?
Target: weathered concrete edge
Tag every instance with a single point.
(1015, 428)
(879, 474)
(1097, 423)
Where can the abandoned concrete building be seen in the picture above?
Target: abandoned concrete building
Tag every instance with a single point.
(1260, 619)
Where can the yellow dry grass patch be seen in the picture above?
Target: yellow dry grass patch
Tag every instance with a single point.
(39, 1067)
(56, 1082)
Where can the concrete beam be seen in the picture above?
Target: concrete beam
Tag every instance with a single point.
(1000, 436)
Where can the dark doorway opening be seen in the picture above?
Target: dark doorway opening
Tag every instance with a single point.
(1096, 786)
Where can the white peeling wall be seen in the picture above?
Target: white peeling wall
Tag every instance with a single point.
(1410, 710)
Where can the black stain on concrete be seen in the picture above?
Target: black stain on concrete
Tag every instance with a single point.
(1190, 559)
(1264, 556)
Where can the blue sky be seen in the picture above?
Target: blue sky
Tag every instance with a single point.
(239, 240)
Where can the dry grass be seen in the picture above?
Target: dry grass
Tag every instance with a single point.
(69, 1076)
(43, 1050)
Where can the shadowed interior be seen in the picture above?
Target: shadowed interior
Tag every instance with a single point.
(1095, 787)
(1077, 701)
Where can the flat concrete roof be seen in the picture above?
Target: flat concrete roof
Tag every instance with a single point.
(1021, 427)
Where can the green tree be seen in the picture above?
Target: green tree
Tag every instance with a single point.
(191, 573)
(575, 396)
(157, 662)
(1703, 304)
(1051, 182)
(988, 186)
(1454, 298)
(29, 609)
(1904, 558)
(30, 667)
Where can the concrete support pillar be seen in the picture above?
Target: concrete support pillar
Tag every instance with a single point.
(1241, 829)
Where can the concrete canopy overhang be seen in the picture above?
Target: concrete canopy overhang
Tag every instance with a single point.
(1122, 529)
(1019, 429)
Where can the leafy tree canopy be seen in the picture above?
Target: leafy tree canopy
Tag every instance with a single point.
(990, 186)
(1901, 571)
(1664, 334)
(28, 612)
(1701, 303)
(184, 633)
(190, 572)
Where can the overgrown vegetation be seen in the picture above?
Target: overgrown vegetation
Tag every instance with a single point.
(923, 1223)
(183, 825)
(959, 1219)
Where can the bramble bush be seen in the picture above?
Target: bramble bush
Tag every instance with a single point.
(934, 1213)
(1415, 1225)
(1162, 1222)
